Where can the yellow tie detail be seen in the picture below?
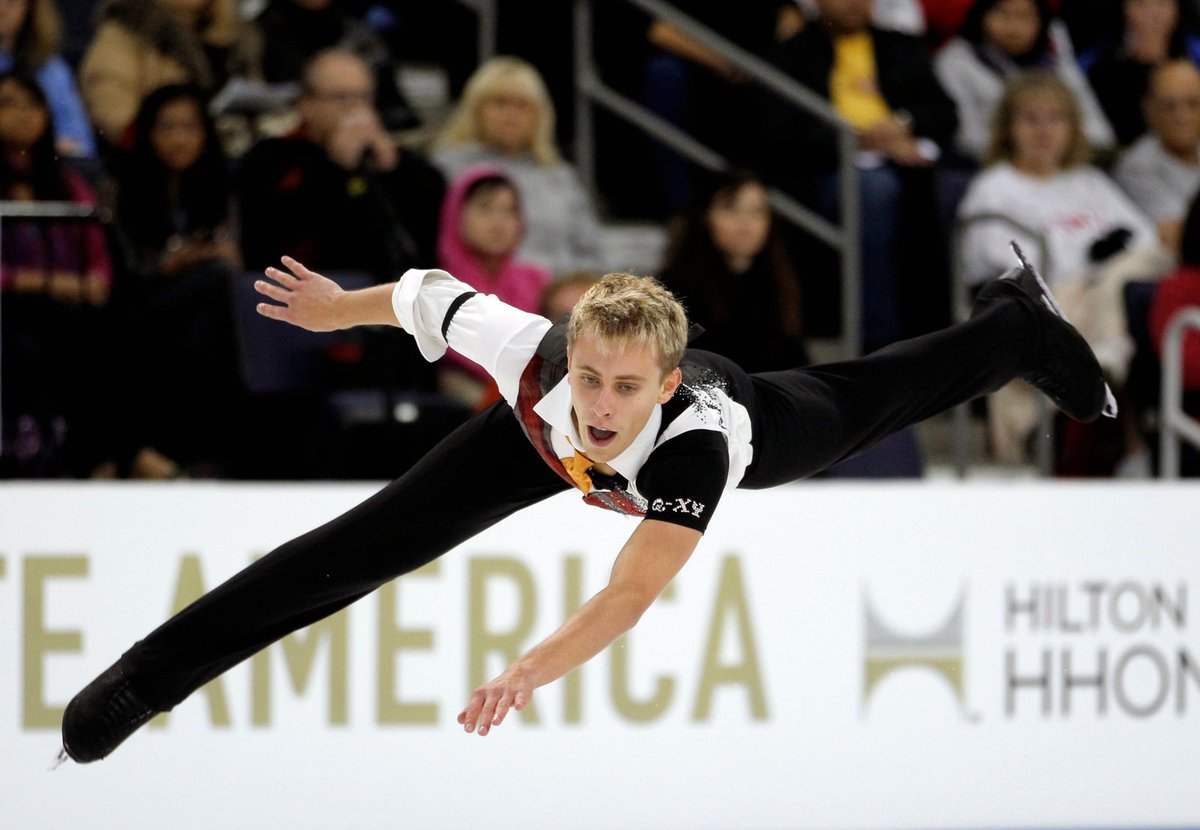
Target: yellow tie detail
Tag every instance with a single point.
(577, 468)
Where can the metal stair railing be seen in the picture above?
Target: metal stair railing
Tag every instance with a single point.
(843, 237)
(1175, 425)
(485, 13)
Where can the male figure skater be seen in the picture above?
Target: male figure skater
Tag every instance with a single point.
(611, 402)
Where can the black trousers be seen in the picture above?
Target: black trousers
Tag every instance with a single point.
(804, 420)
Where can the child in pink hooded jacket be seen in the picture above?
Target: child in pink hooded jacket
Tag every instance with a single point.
(480, 228)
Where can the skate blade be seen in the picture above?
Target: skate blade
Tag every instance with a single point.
(61, 758)
(1110, 403)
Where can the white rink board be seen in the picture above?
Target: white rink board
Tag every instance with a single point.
(1096, 583)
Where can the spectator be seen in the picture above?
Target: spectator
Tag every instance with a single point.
(339, 194)
(729, 266)
(560, 296)
(882, 83)
(174, 188)
(30, 33)
(56, 278)
(998, 38)
(1094, 240)
(1037, 174)
(1177, 291)
(698, 90)
(173, 214)
(480, 231)
(505, 117)
(1150, 33)
(141, 45)
(292, 31)
(1161, 171)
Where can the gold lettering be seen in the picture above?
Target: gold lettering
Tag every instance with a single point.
(572, 600)
(482, 640)
(3, 567)
(392, 639)
(731, 600)
(629, 707)
(40, 641)
(189, 588)
(300, 655)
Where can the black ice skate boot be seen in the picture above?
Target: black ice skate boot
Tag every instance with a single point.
(103, 715)
(1068, 372)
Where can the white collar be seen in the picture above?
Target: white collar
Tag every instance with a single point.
(555, 409)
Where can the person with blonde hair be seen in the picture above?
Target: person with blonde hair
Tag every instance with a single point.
(141, 45)
(1037, 174)
(998, 38)
(611, 403)
(505, 117)
(1080, 229)
(30, 36)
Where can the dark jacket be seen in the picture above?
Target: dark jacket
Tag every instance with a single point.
(799, 143)
(294, 200)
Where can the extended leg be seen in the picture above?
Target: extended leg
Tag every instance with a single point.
(808, 419)
(442, 501)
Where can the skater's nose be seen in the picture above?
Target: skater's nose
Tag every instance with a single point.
(602, 407)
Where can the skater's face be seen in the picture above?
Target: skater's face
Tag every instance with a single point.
(1012, 26)
(1041, 133)
(614, 389)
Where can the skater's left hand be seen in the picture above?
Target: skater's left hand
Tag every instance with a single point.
(306, 298)
(491, 701)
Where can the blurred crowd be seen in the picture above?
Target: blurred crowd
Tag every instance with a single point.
(211, 137)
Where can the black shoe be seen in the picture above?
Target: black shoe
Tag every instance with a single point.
(103, 715)
(1069, 373)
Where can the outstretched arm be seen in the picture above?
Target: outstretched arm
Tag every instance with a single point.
(647, 563)
(316, 303)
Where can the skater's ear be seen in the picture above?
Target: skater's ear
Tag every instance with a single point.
(670, 383)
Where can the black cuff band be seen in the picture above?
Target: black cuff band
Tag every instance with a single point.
(458, 301)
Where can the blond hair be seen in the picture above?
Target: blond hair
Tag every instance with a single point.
(1025, 85)
(503, 73)
(622, 308)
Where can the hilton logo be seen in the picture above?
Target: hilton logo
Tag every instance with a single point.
(939, 651)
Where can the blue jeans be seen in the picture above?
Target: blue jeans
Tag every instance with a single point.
(880, 194)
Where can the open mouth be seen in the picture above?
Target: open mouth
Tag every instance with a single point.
(600, 437)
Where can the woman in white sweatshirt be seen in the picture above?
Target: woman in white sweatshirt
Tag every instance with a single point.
(999, 38)
(1068, 216)
(1037, 176)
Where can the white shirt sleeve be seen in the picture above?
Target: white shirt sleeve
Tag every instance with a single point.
(500, 338)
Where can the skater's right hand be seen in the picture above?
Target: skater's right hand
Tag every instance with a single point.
(307, 299)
